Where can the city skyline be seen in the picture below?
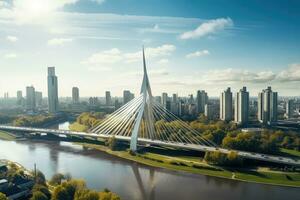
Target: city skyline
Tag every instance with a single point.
(186, 51)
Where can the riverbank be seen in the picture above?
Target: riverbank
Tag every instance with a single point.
(6, 135)
(192, 165)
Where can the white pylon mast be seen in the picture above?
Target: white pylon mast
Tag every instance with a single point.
(145, 110)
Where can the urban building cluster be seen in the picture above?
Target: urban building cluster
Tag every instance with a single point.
(228, 107)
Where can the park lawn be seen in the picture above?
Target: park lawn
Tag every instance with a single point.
(156, 160)
(291, 152)
(6, 136)
(78, 127)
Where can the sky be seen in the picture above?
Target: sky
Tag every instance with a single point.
(190, 45)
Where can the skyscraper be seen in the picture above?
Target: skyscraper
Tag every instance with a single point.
(226, 105)
(38, 98)
(19, 97)
(267, 106)
(202, 99)
(30, 98)
(52, 90)
(107, 98)
(289, 108)
(127, 96)
(241, 111)
(75, 95)
(164, 99)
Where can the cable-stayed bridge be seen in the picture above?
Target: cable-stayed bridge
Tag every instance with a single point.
(144, 121)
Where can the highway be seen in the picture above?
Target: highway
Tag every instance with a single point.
(196, 147)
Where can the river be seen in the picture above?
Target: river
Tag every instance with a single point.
(130, 180)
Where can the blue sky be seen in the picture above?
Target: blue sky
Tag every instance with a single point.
(190, 45)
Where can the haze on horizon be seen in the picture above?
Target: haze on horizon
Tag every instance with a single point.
(189, 45)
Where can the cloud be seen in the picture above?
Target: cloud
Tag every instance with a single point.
(157, 29)
(59, 41)
(292, 73)
(198, 54)
(163, 61)
(10, 55)
(115, 55)
(207, 28)
(12, 38)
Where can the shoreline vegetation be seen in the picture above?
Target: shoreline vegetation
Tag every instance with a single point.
(197, 164)
(59, 187)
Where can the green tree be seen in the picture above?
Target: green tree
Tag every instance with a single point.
(73, 185)
(56, 179)
(40, 178)
(38, 196)
(60, 193)
(86, 194)
(43, 189)
(3, 196)
(112, 143)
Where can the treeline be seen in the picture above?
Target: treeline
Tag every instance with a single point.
(32, 121)
(5, 118)
(90, 119)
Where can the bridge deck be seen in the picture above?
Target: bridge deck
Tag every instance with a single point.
(249, 155)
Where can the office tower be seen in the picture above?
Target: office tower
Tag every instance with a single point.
(174, 98)
(209, 111)
(127, 96)
(192, 109)
(226, 105)
(38, 98)
(202, 100)
(93, 101)
(75, 95)
(175, 105)
(19, 97)
(267, 106)
(191, 99)
(30, 98)
(52, 90)
(6, 96)
(107, 98)
(241, 112)
(157, 99)
(164, 99)
(289, 108)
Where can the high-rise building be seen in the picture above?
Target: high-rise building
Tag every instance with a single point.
(6, 96)
(241, 111)
(164, 99)
(75, 95)
(174, 98)
(52, 90)
(30, 98)
(127, 96)
(19, 97)
(202, 100)
(289, 108)
(267, 106)
(226, 105)
(38, 98)
(107, 98)
(209, 111)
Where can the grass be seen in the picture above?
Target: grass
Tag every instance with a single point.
(78, 127)
(6, 136)
(290, 152)
(196, 166)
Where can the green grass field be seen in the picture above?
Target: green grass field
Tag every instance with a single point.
(196, 166)
(6, 136)
(292, 153)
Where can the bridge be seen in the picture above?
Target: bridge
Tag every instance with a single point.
(145, 121)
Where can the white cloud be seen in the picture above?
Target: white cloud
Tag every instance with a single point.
(10, 55)
(115, 55)
(163, 61)
(292, 73)
(59, 41)
(12, 38)
(198, 54)
(157, 29)
(207, 28)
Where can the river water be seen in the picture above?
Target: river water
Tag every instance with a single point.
(130, 180)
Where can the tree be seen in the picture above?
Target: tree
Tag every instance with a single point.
(108, 195)
(3, 196)
(40, 178)
(56, 179)
(86, 194)
(38, 196)
(72, 186)
(112, 143)
(60, 193)
(43, 189)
